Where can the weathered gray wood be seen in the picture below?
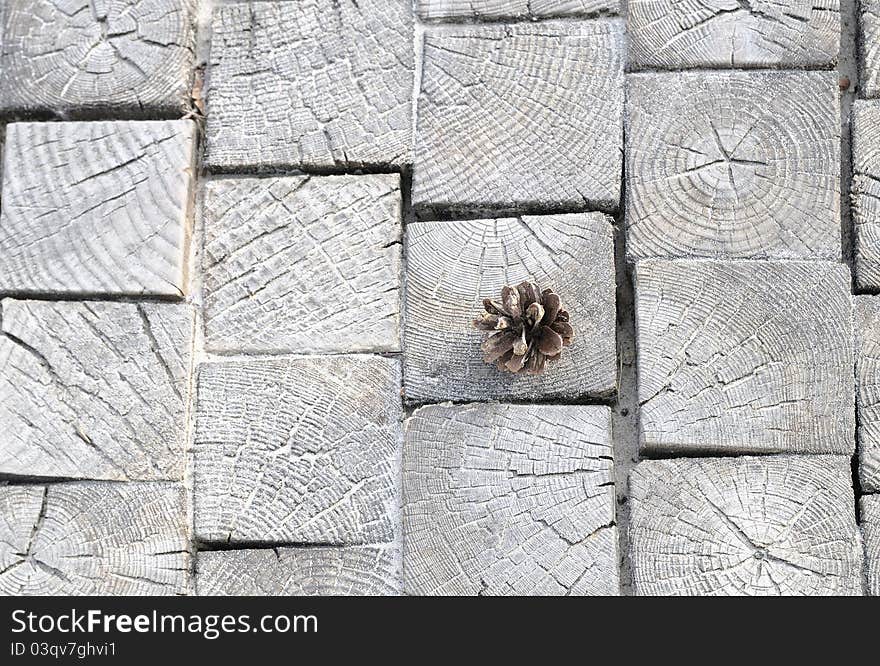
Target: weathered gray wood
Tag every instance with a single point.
(303, 264)
(314, 571)
(866, 333)
(311, 83)
(741, 165)
(298, 450)
(452, 266)
(866, 192)
(93, 539)
(776, 525)
(96, 208)
(509, 500)
(506, 9)
(83, 58)
(528, 116)
(670, 34)
(869, 43)
(94, 390)
(738, 357)
(870, 515)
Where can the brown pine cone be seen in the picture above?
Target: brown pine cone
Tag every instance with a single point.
(529, 328)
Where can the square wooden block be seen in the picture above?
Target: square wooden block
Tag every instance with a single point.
(869, 44)
(866, 333)
(667, 34)
(870, 514)
(114, 539)
(303, 264)
(298, 450)
(81, 58)
(509, 500)
(738, 165)
(526, 117)
(768, 526)
(97, 208)
(296, 572)
(740, 357)
(511, 9)
(453, 266)
(314, 84)
(866, 192)
(94, 390)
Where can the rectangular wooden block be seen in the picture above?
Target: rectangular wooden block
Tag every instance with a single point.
(114, 539)
(303, 264)
(744, 357)
(512, 9)
(315, 84)
(453, 266)
(94, 390)
(869, 45)
(509, 500)
(295, 572)
(766, 526)
(80, 58)
(733, 165)
(526, 117)
(98, 208)
(667, 34)
(298, 450)
(866, 192)
(866, 333)
(870, 514)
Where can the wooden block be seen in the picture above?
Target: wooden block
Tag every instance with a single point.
(79, 58)
(667, 34)
(866, 332)
(490, 136)
(303, 264)
(453, 266)
(71, 539)
(294, 572)
(512, 9)
(744, 357)
(869, 44)
(776, 525)
(314, 84)
(866, 192)
(96, 208)
(739, 165)
(94, 390)
(509, 500)
(870, 510)
(298, 450)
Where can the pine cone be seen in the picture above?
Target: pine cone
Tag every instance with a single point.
(529, 327)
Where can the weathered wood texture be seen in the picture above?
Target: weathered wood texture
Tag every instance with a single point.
(299, 450)
(303, 264)
(869, 43)
(741, 165)
(311, 83)
(738, 357)
(866, 333)
(528, 116)
(507, 9)
(81, 58)
(452, 266)
(668, 34)
(96, 208)
(870, 515)
(94, 390)
(777, 525)
(866, 192)
(93, 539)
(314, 571)
(509, 500)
